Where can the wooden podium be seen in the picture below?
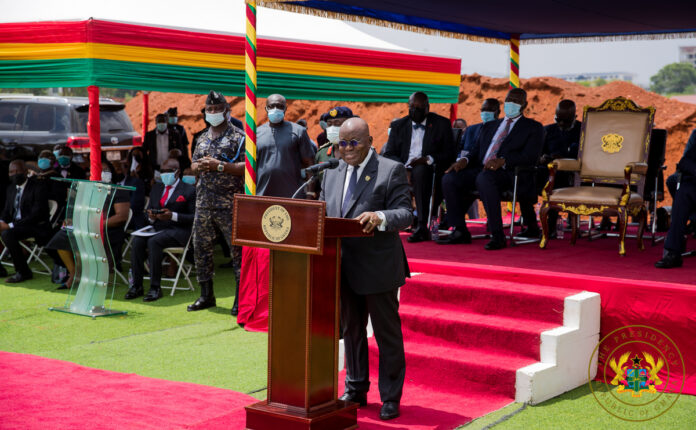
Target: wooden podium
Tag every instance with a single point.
(304, 278)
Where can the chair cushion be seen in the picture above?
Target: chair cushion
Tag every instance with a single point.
(591, 195)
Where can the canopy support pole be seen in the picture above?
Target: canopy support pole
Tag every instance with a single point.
(515, 61)
(94, 132)
(453, 112)
(146, 112)
(250, 91)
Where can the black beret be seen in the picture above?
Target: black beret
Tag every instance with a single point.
(339, 112)
(172, 111)
(215, 98)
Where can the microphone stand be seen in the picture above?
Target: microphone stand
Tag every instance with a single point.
(307, 182)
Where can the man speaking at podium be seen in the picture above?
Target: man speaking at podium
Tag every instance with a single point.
(375, 191)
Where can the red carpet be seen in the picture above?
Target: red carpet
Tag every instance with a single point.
(42, 393)
(464, 337)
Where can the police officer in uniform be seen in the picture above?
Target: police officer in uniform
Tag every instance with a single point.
(334, 118)
(219, 161)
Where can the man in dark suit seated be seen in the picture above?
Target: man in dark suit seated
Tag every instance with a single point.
(561, 140)
(683, 207)
(423, 141)
(373, 190)
(490, 168)
(25, 215)
(171, 210)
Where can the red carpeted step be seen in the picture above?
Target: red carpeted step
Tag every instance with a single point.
(460, 328)
(486, 296)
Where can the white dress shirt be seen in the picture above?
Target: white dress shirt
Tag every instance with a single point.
(175, 216)
(500, 129)
(361, 167)
(162, 147)
(416, 149)
(20, 192)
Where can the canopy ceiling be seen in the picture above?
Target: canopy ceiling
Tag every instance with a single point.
(121, 55)
(535, 21)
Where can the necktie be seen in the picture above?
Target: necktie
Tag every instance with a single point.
(352, 182)
(165, 196)
(499, 141)
(18, 199)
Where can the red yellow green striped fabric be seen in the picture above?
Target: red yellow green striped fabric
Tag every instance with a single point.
(129, 56)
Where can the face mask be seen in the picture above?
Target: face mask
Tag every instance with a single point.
(173, 120)
(388, 131)
(188, 179)
(512, 110)
(64, 160)
(487, 116)
(18, 179)
(215, 119)
(564, 125)
(276, 115)
(44, 163)
(332, 133)
(56, 153)
(161, 127)
(168, 178)
(106, 176)
(417, 114)
(323, 125)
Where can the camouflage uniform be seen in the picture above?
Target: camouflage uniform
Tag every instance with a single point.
(214, 198)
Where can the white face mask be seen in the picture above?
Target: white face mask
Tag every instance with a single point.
(106, 176)
(332, 133)
(215, 119)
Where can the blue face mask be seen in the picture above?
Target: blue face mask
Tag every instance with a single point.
(168, 178)
(487, 116)
(275, 115)
(44, 163)
(161, 127)
(56, 152)
(512, 110)
(173, 120)
(64, 160)
(188, 179)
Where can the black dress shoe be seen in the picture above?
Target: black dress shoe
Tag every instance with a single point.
(495, 244)
(669, 261)
(62, 287)
(3, 271)
(359, 398)
(390, 410)
(457, 236)
(152, 295)
(419, 235)
(17, 278)
(201, 303)
(228, 265)
(134, 292)
(530, 233)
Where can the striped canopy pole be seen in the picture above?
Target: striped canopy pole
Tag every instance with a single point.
(515, 61)
(250, 90)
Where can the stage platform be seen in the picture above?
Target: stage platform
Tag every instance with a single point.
(632, 290)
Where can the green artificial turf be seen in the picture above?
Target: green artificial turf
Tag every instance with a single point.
(159, 339)
(578, 409)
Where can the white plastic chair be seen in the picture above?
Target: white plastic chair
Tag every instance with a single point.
(178, 256)
(32, 248)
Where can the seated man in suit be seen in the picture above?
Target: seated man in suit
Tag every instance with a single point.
(373, 190)
(423, 141)
(25, 215)
(171, 210)
(683, 207)
(561, 140)
(490, 168)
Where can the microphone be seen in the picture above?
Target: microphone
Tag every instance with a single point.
(313, 170)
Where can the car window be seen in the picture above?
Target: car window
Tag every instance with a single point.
(10, 116)
(43, 117)
(110, 121)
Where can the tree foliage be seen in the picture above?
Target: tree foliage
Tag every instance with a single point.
(674, 78)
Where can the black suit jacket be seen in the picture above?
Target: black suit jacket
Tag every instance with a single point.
(33, 205)
(687, 164)
(521, 147)
(438, 141)
(374, 264)
(182, 201)
(175, 142)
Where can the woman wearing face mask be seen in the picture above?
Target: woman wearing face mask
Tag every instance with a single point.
(59, 245)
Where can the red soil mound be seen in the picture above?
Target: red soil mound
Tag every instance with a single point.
(543, 93)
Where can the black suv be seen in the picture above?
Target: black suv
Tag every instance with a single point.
(30, 124)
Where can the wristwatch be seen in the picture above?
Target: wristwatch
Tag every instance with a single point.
(221, 167)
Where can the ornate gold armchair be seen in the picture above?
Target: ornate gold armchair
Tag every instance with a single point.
(609, 172)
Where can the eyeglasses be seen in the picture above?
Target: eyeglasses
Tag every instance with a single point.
(344, 143)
